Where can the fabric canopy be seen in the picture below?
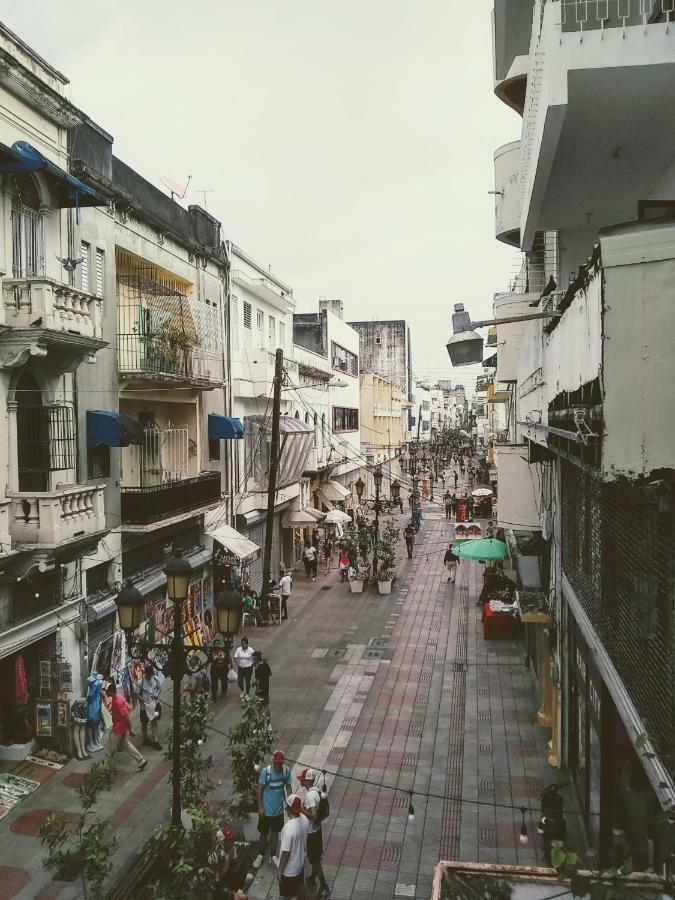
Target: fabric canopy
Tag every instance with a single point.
(332, 492)
(337, 517)
(22, 157)
(235, 543)
(106, 427)
(299, 518)
(224, 427)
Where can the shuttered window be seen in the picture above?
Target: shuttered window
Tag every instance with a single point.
(100, 271)
(84, 265)
(272, 330)
(282, 335)
(234, 322)
(247, 315)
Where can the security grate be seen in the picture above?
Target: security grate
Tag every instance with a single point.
(459, 667)
(425, 677)
(483, 716)
(486, 784)
(486, 749)
(409, 761)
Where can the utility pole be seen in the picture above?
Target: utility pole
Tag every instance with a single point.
(272, 483)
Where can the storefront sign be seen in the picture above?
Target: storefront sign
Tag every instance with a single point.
(44, 713)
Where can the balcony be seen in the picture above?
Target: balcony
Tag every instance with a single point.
(266, 289)
(596, 137)
(317, 459)
(143, 506)
(46, 317)
(165, 336)
(257, 374)
(52, 518)
(512, 28)
(507, 173)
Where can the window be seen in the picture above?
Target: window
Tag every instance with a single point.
(260, 326)
(100, 272)
(97, 579)
(84, 265)
(98, 462)
(214, 448)
(345, 419)
(234, 322)
(344, 360)
(282, 335)
(248, 325)
(28, 255)
(272, 331)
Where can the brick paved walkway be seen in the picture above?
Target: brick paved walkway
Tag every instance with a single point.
(399, 691)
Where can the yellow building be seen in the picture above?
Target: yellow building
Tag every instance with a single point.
(383, 408)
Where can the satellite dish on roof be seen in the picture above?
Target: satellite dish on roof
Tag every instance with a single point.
(177, 191)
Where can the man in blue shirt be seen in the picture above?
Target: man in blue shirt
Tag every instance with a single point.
(274, 785)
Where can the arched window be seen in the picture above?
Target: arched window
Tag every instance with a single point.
(28, 257)
(306, 418)
(297, 414)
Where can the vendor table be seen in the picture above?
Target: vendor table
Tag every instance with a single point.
(497, 625)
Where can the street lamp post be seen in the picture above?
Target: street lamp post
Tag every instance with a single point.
(178, 660)
(377, 478)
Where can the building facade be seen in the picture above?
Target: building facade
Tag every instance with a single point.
(587, 461)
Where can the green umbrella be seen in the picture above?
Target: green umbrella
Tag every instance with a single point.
(483, 549)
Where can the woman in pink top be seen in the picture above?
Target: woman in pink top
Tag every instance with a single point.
(121, 728)
(343, 563)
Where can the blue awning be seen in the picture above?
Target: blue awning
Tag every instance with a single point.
(69, 191)
(224, 427)
(112, 429)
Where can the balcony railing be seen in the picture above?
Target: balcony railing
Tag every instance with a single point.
(586, 15)
(152, 503)
(51, 518)
(58, 306)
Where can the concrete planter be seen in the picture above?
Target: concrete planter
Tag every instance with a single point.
(356, 585)
(384, 586)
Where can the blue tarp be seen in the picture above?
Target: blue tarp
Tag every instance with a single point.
(224, 427)
(23, 157)
(112, 429)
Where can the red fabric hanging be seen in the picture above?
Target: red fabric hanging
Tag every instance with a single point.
(20, 686)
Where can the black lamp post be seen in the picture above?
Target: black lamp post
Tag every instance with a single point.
(180, 660)
(377, 478)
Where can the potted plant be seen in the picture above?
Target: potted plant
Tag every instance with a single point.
(386, 557)
(249, 743)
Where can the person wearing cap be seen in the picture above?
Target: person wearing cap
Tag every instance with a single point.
(310, 803)
(274, 784)
(263, 673)
(293, 851)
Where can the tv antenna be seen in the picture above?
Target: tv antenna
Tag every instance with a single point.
(204, 192)
(177, 191)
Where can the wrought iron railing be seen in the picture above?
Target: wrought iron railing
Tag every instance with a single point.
(142, 505)
(588, 15)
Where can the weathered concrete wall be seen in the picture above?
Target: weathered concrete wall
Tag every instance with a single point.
(385, 350)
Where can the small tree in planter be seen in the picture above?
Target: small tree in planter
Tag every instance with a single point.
(83, 850)
(386, 557)
(249, 743)
(195, 716)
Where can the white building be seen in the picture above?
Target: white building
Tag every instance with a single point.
(588, 195)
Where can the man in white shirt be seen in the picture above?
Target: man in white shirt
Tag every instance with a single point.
(286, 586)
(309, 555)
(243, 660)
(293, 851)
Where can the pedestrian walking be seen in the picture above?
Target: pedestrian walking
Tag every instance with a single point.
(448, 504)
(122, 729)
(293, 851)
(274, 784)
(309, 555)
(151, 710)
(314, 809)
(451, 561)
(243, 660)
(286, 586)
(343, 563)
(417, 517)
(456, 477)
(409, 535)
(220, 666)
(263, 673)
(328, 554)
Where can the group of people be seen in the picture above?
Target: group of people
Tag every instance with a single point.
(296, 837)
(312, 550)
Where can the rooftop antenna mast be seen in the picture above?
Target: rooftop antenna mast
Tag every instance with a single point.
(204, 192)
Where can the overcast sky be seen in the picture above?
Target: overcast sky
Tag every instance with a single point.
(348, 144)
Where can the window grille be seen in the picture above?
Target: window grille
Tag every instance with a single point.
(272, 330)
(234, 322)
(247, 315)
(28, 257)
(345, 419)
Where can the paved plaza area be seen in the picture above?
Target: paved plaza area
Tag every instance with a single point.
(392, 694)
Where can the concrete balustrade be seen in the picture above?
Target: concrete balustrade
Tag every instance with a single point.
(52, 517)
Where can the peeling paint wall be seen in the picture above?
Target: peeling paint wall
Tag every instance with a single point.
(385, 351)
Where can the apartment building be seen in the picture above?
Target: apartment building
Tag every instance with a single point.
(587, 466)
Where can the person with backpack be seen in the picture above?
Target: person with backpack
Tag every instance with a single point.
(274, 785)
(316, 808)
